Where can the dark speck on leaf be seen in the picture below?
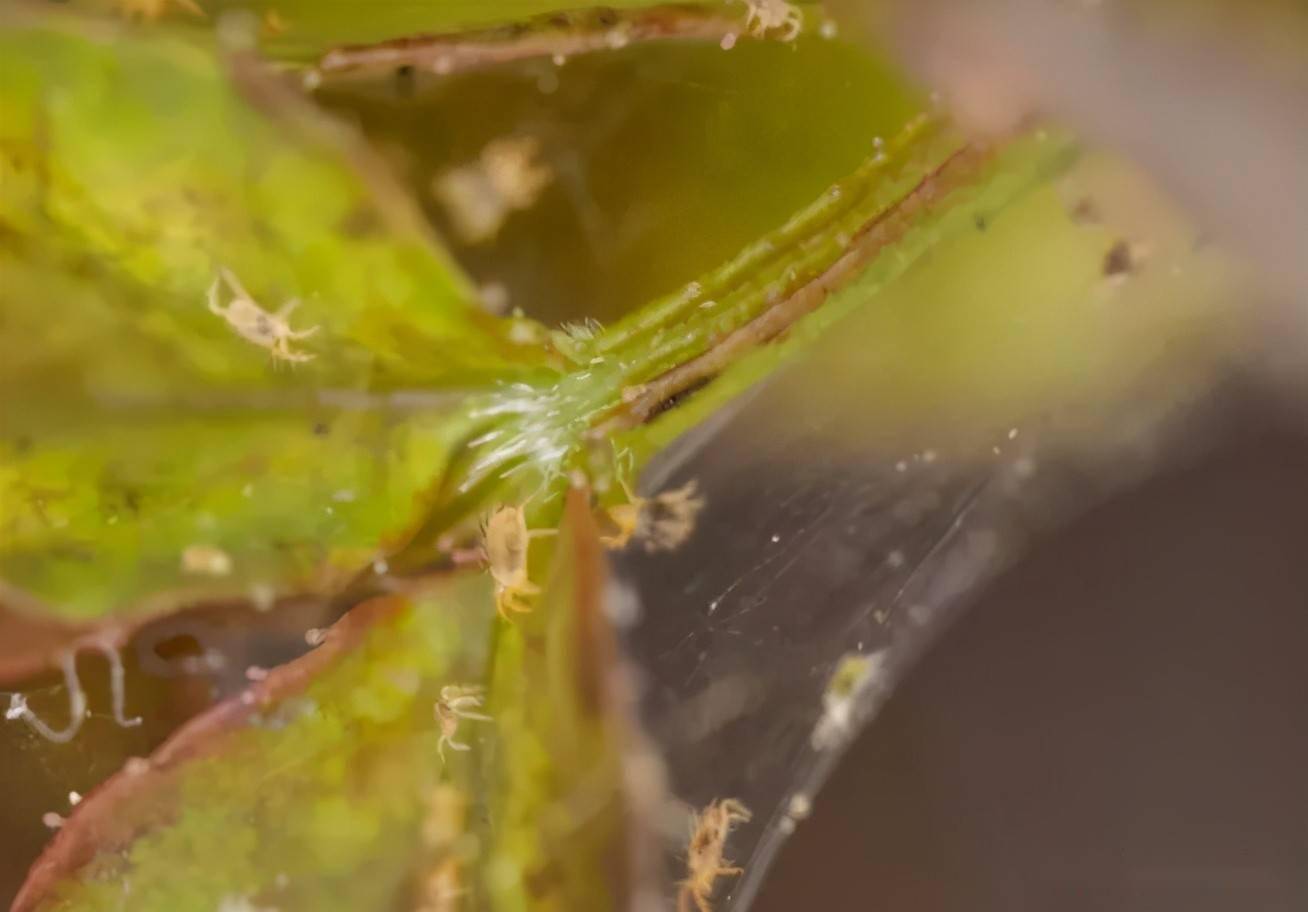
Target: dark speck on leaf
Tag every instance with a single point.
(981, 223)
(404, 80)
(320, 428)
(1085, 212)
(1119, 260)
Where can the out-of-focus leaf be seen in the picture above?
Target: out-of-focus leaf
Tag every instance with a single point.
(573, 792)
(323, 787)
(135, 518)
(136, 424)
(136, 168)
(318, 789)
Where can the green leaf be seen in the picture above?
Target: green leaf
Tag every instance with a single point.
(323, 787)
(136, 518)
(146, 166)
(567, 823)
(308, 792)
(135, 423)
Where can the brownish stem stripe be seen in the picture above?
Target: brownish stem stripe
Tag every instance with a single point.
(871, 239)
(561, 36)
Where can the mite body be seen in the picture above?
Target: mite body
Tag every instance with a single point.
(150, 10)
(505, 540)
(457, 702)
(270, 331)
(660, 523)
(705, 862)
(768, 15)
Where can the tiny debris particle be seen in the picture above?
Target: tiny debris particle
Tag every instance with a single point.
(800, 806)
(1085, 212)
(1012, 433)
(206, 560)
(74, 799)
(263, 597)
(136, 766)
(256, 673)
(315, 636)
(829, 29)
(495, 298)
(52, 820)
(1119, 260)
(728, 41)
(895, 558)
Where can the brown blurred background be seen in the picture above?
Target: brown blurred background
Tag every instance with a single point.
(1118, 724)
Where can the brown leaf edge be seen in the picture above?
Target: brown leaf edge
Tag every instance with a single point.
(99, 823)
(556, 35)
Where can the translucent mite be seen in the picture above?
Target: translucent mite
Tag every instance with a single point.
(150, 10)
(767, 15)
(506, 178)
(661, 523)
(270, 331)
(505, 539)
(704, 859)
(457, 702)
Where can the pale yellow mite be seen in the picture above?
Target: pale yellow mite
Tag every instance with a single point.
(480, 196)
(505, 539)
(150, 10)
(705, 862)
(457, 702)
(772, 15)
(269, 331)
(660, 523)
